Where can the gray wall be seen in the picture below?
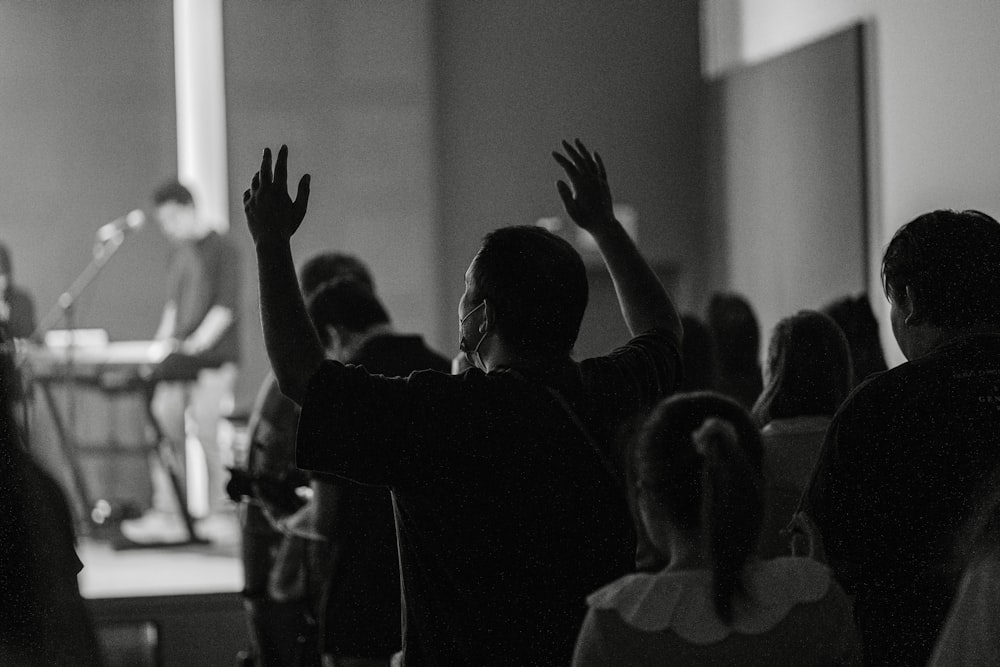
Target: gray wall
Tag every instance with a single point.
(787, 175)
(514, 78)
(347, 85)
(87, 110)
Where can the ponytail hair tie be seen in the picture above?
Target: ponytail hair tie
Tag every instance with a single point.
(710, 433)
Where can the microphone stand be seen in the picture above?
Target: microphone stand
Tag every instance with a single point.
(63, 310)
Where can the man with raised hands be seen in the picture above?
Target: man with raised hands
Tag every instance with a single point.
(506, 480)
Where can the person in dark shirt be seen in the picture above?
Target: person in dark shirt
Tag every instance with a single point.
(201, 317)
(906, 455)
(853, 314)
(17, 309)
(360, 614)
(509, 499)
(282, 630)
(43, 618)
(737, 338)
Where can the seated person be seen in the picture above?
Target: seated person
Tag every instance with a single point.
(737, 337)
(696, 475)
(808, 376)
(43, 619)
(701, 358)
(910, 448)
(855, 318)
(17, 310)
(281, 629)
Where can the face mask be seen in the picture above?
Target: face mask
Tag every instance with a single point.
(463, 345)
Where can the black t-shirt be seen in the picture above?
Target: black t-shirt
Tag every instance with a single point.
(900, 472)
(203, 274)
(506, 516)
(361, 615)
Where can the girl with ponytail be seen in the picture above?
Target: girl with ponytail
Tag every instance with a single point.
(695, 472)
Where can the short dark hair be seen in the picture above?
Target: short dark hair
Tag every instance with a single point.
(719, 493)
(536, 284)
(172, 191)
(329, 265)
(950, 259)
(808, 369)
(737, 333)
(344, 303)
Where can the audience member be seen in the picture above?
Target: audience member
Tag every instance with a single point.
(282, 631)
(696, 470)
(700, 356)
(906, 453)
(808, 376)
(43, 619)
(737, 338)
(17, 309)
(360, 614)
(971, 635)
(855, 318)
(509, 504)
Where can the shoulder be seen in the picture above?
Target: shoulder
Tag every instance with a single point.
(659, 340)
(655, 351)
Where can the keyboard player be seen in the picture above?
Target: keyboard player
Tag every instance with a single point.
(201, 318)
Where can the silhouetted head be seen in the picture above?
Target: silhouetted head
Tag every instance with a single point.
(696, 468)
(344, 305)
(855, 318)
(700, 357)
(530, 289)
(940, 274)
(737, 333)
(808, 369)
(329, 265)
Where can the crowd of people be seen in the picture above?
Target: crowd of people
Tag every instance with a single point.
(674, 501)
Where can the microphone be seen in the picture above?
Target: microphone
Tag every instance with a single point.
(131, 221)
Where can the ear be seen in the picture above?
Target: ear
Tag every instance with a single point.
(913, 308)
(488, 318)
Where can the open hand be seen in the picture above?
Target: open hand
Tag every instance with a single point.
(588, 202)
(270, 212)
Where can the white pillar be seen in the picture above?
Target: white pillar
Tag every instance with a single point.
(201, 106)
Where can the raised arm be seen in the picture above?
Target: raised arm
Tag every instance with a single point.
(292, 345)
(645, 304)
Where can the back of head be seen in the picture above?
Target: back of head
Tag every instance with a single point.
(855, 318)
(699, 458)
(172, 192)
(699, 355)
(536, 284)
(737, 333)
(329, 265)
(345, 304)
(808, 369)
(949, 259)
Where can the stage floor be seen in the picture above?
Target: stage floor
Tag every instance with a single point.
(177, 570)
